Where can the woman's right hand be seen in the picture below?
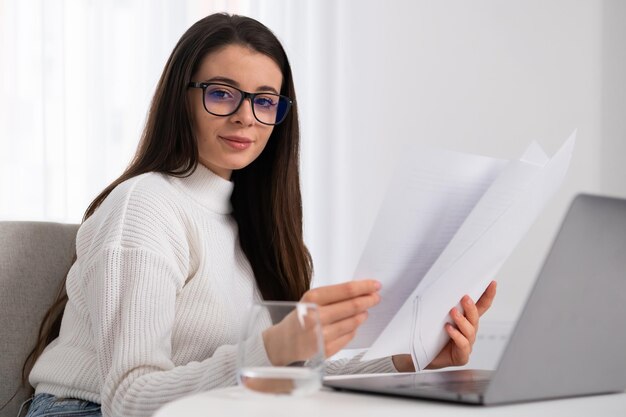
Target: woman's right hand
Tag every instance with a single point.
(342, 309)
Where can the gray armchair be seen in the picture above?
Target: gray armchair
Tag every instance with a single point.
(34, 259)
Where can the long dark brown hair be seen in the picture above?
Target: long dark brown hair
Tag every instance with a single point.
(266, 199)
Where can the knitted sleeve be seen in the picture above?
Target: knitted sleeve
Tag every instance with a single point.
(356, 366)
(132, 305)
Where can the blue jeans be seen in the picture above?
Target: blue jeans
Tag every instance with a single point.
(46, 405)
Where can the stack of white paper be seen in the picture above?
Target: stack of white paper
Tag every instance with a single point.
(446, 226)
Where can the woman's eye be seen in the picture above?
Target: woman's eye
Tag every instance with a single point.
(264, 102)
(219, 94)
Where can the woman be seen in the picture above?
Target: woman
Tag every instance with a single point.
(206, 219)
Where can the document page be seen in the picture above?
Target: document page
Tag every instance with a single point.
(444, 230)
(423, 209)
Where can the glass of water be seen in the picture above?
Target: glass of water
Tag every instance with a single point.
(294, 331)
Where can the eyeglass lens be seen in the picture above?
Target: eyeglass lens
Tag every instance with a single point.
(222, 100)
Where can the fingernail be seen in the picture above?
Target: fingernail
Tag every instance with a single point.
(378, 285)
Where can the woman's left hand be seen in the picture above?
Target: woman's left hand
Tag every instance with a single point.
(462, 337)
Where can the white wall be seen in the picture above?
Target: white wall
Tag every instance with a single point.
(484, 77)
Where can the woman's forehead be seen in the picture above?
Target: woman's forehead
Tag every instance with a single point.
(250, 69)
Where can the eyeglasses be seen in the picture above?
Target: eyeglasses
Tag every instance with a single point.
(224, 100)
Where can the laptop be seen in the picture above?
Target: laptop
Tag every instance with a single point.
(570, 339)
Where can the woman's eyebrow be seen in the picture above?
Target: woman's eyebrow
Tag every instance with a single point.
(234, 83)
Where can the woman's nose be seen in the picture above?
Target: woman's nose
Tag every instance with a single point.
(244, 114)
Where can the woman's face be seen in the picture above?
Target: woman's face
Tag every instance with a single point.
(226, 143)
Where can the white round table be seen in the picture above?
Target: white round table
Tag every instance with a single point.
(326, 403)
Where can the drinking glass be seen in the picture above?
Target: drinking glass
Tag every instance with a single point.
(297, 327)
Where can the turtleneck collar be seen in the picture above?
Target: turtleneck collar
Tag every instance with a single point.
(207, 188)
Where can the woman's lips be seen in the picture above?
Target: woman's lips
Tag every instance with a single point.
(237, 142)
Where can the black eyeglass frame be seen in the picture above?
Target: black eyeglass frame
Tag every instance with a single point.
(244, 95)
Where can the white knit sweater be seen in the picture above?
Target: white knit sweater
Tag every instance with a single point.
(156, 298)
